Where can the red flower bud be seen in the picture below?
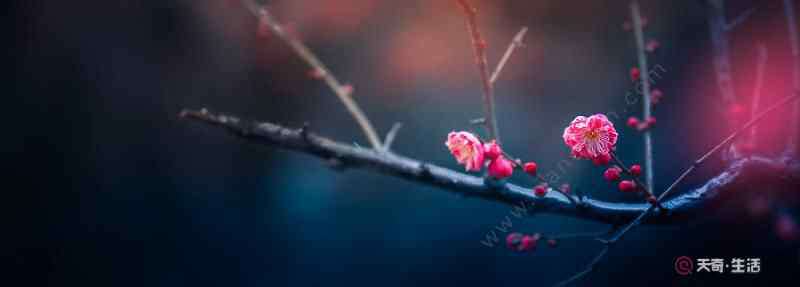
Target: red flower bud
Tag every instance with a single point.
(540, 190)
(627, 186)
(527, 243)
(492, 150)
(602, 159)
(636, 170)
(513, 240)
(633, 122)
(501, 168)
(612, 173)
(635, 74)
(530, 168)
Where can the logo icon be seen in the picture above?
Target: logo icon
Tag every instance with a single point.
(683, 265)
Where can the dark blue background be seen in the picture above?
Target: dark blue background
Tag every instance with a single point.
(117, 191)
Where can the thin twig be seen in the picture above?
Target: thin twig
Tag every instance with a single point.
(515, 44)
(342, 92)
(589, 268)
(761, 65)
(479, 47)
(791, 22)
(390, 136)
(645, 80)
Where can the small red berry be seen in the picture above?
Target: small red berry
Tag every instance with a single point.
(540, 190)
(602, 159)
(552, 242)
(636, 170)
(627, 186)
(527, 243)
(513, 239)
(635, 74)
(492, 150)
(530, 168)
(501, 168)
(633, 122)
(612, 173)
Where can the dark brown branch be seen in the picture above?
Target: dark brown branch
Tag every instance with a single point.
(479, 47)
(679, 209)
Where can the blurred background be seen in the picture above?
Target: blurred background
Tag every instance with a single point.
(118, 191)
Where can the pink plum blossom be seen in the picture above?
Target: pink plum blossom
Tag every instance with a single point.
(467, 149)
(590, 137)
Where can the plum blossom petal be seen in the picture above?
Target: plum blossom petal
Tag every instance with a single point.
(467, 149)
(590, 137)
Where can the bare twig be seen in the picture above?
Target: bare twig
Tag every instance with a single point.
(589, 268)
(740, 19)
(717, 24)
(645, 81)
(791, 22)
(515, 44)
(479, 47)
(390, 136)
(342, 92)
(761, 65)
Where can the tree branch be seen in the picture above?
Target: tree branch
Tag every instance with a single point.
(342, 92)
(678, 209)
(646, 105)
(479, 47)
